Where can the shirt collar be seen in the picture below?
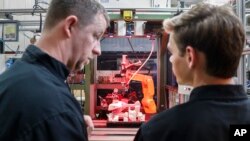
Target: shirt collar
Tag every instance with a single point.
(36, 55)
(218, 92)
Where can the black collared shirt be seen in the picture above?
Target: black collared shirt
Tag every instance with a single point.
(36, 103)
(205, 117)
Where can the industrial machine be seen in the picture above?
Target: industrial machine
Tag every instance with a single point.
(147, 83)
(133, 102)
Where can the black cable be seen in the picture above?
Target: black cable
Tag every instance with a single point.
(40, 25)
(37, 6)
(102, 39)
(132, 48)
(17, 50)
(9, 47)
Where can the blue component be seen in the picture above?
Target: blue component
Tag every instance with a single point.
(130, 29)
(248, 83)
(9, 62)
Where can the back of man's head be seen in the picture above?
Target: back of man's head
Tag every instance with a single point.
(213, 30)
(84, 10)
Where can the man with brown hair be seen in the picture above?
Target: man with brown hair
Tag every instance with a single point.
(206, 43)
(35, 100)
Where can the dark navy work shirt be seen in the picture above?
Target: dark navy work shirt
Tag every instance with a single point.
(207, 116)
(36, 103)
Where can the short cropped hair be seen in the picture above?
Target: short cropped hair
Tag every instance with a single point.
(213, 30)
(85, 10)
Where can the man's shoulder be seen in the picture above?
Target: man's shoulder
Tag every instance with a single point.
(24, 71)
(161, 119)
(160, 126)
(170, 117)
(32, 87)
(29, 76)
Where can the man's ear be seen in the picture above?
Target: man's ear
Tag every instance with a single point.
(69, 23)
(191, 56)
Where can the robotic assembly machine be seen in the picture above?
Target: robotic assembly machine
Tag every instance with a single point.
(126, 74)
(132, 101)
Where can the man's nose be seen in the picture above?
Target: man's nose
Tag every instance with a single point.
(97, 50)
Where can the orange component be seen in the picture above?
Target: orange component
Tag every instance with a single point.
(148, 102)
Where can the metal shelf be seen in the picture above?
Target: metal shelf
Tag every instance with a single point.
(109, 86)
